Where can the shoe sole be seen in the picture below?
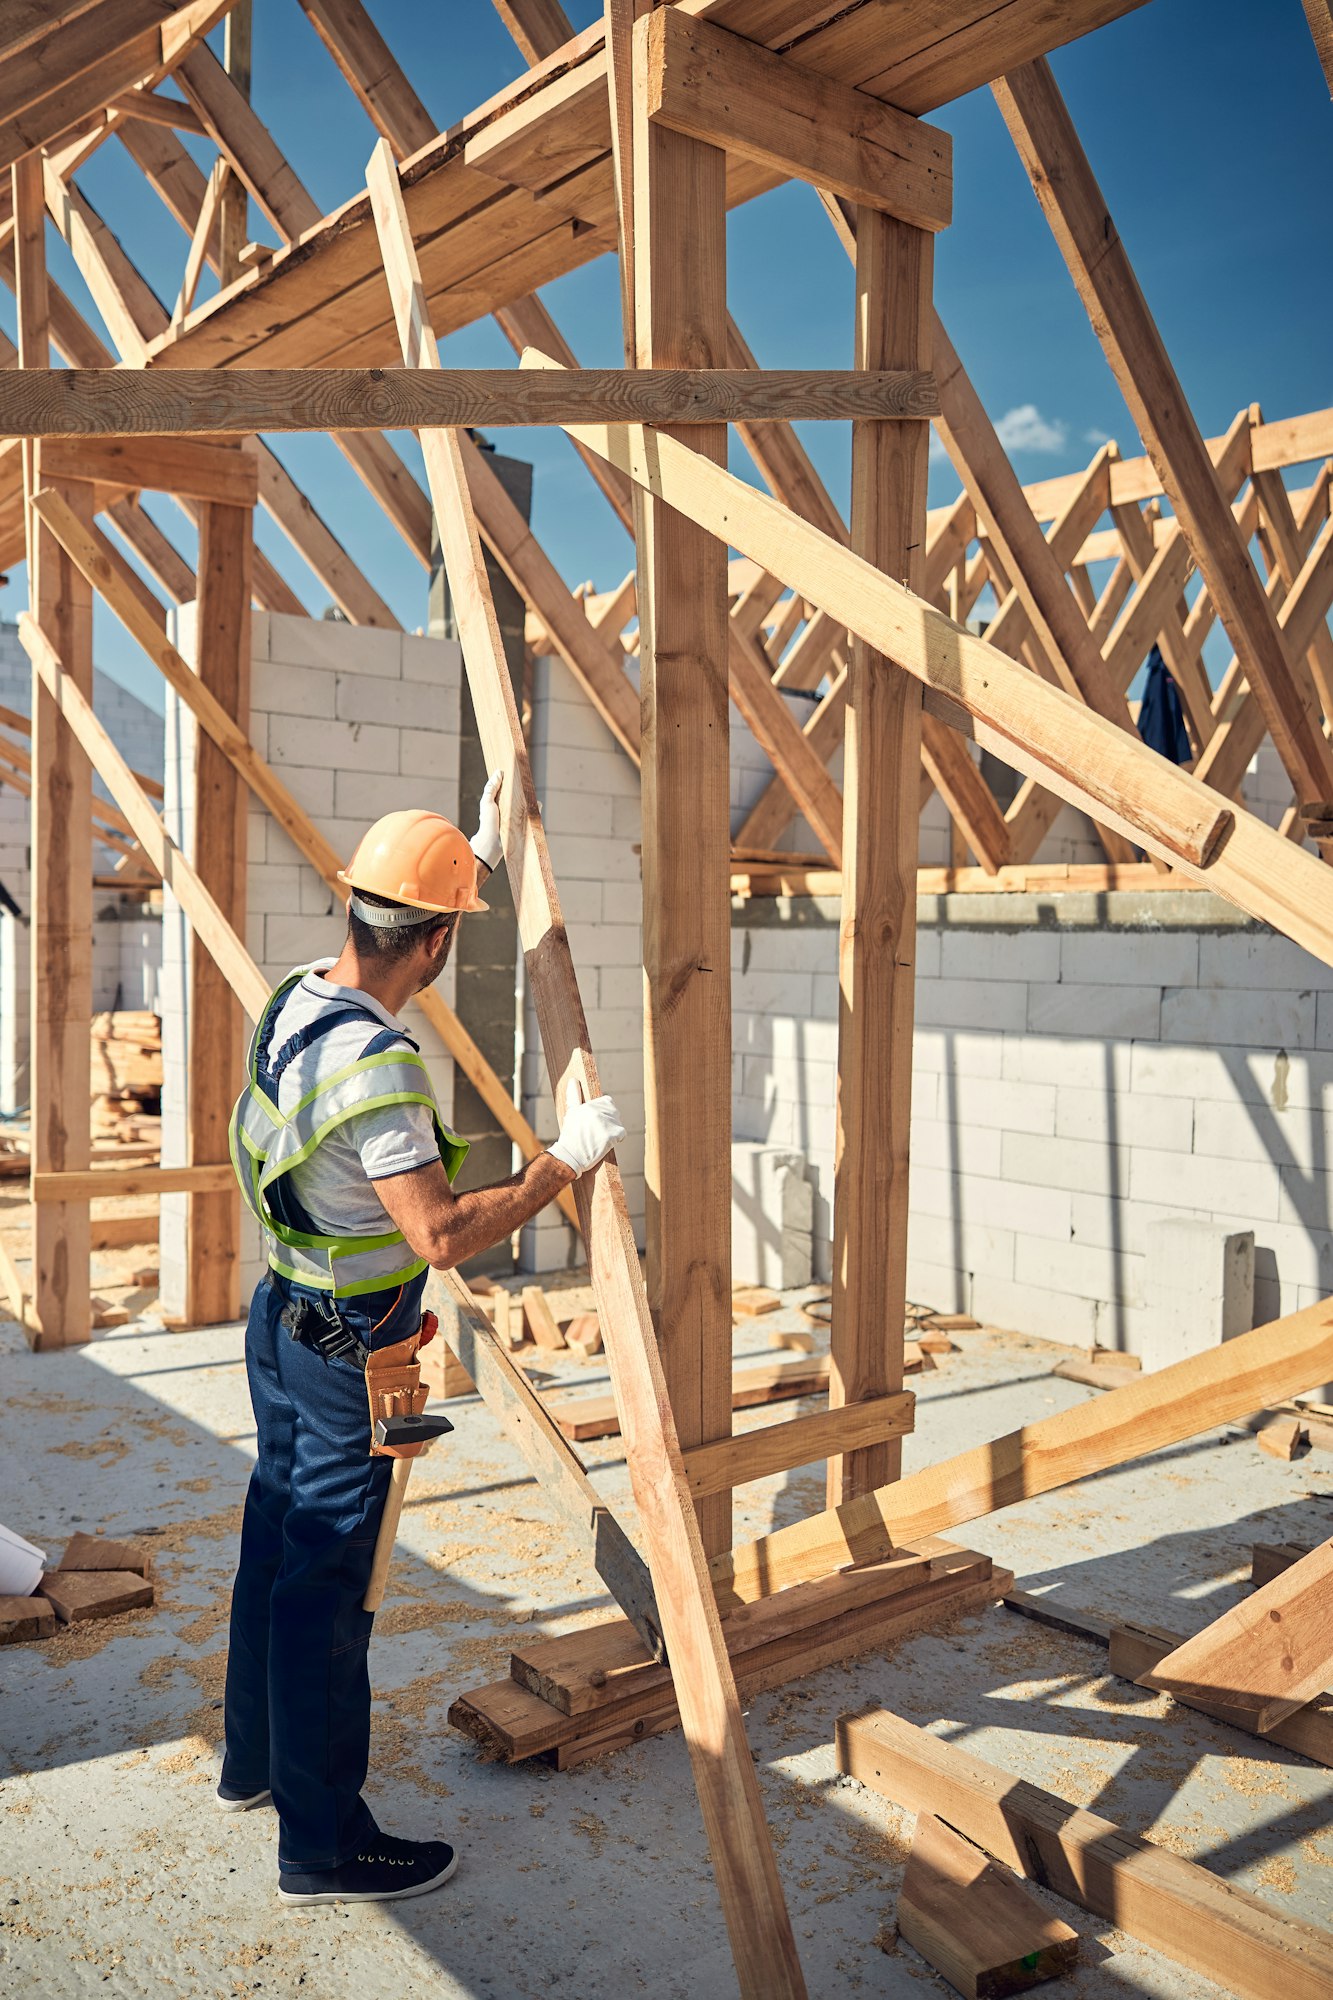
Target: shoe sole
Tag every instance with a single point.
(370, 1895)
(242, 1805)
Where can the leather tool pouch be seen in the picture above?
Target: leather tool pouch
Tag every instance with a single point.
(395, 1391)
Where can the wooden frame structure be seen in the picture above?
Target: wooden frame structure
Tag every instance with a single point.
(636, 136)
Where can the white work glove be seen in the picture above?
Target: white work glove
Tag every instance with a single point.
(589, 1130)
(486, 840)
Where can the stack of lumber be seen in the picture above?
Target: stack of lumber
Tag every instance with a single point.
(127, 1076)
(97, 1578)
(574, 1698)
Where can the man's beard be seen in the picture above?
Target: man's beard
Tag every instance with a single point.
(431, 977)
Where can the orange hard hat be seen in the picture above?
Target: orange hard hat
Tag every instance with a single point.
(417, 858)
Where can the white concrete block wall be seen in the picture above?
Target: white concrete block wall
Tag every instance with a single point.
(1073, 1085)
(357, 722)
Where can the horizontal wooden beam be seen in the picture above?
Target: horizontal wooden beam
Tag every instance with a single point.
(731, 1461)
(729, 92)
(77, 403)
(181, 466)
(120, 1181)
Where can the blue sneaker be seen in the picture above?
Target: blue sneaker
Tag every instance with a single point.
(388, 1872)
(231, 1801)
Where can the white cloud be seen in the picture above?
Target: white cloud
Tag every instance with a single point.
(1024, 428)
(1096, 435)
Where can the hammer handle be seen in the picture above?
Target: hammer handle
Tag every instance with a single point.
(384, 1541)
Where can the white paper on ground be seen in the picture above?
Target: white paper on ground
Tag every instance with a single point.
(20, 1565)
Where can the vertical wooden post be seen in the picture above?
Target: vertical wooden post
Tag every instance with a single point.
(877, 946)
(681, 322)
(221, 802)
(60, 928)
(234, 206)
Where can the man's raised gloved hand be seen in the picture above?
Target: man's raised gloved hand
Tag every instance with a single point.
(589, 1130)
(486, 840)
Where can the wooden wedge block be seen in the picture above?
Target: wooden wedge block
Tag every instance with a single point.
(952, 1323)
(935, 1343)
(541, 1322)
(145, 1277)
(99, 1552)
(1095, 1374)
(1286, 1439)
(25, 1618)
(79, 1594)
(972, 1919)
(105, 1314)
(1250, 1947)
(584, 1333)
(1134, 1650)
(750, 1300)
(1267, 1656)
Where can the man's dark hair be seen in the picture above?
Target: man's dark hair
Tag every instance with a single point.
(396, 944)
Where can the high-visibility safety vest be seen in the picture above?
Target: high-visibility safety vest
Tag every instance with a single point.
(266, 1143)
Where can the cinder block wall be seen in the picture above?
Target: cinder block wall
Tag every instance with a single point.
(357, 722)
(1083, 1067)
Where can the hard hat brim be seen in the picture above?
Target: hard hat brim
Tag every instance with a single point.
(437, 909)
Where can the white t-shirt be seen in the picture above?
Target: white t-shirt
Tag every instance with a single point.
(335, 1185)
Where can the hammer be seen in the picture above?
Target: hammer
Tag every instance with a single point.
(401, 1431)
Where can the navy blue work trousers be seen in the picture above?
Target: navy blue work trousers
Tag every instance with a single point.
(298, 1680)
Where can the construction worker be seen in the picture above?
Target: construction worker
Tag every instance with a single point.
(342, 1156)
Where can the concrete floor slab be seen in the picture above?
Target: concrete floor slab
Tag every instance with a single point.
(118, 1875)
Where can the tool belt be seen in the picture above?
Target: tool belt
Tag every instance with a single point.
(394, 1389)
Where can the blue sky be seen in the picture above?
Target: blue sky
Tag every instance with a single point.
(1207, 122)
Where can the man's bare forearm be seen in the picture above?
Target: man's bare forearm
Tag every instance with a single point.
(485, 1216)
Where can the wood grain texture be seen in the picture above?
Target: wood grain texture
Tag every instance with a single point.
(727, 92)
(973, 1920)
(679, 232)
(1136, 1650)
(1268, 1655)
(79, 403)
(1173, 1403)
(782, 1447)
(1007, 709)
(221, 810)
(877, 938)
(1187, 1914)
(742, 1855)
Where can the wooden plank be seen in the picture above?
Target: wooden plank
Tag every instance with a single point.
(113, 1232)
(61, 849)
(1136, 1650)
(200, 403)
(517, 1723)
(180, 466)
(382, 89)
(316, 543)
(527, 323)
(973, 1921)
(774, 1381)
(877, 937)
(801, 769)
(207, 920)
(57, 1188)
(712, 1468)
(724, 1770)
(1032, 726)
(1172, 1403)
(602, 1665)
(679, 233)
(528, 1425)
(233, 204)
(205, 224)
(1268, 1655)
(1074, 206)
(1187, 1914)
(540, 1319)
(716, 87)
(216, 1050)
(539, 27)
(1270, 1559)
